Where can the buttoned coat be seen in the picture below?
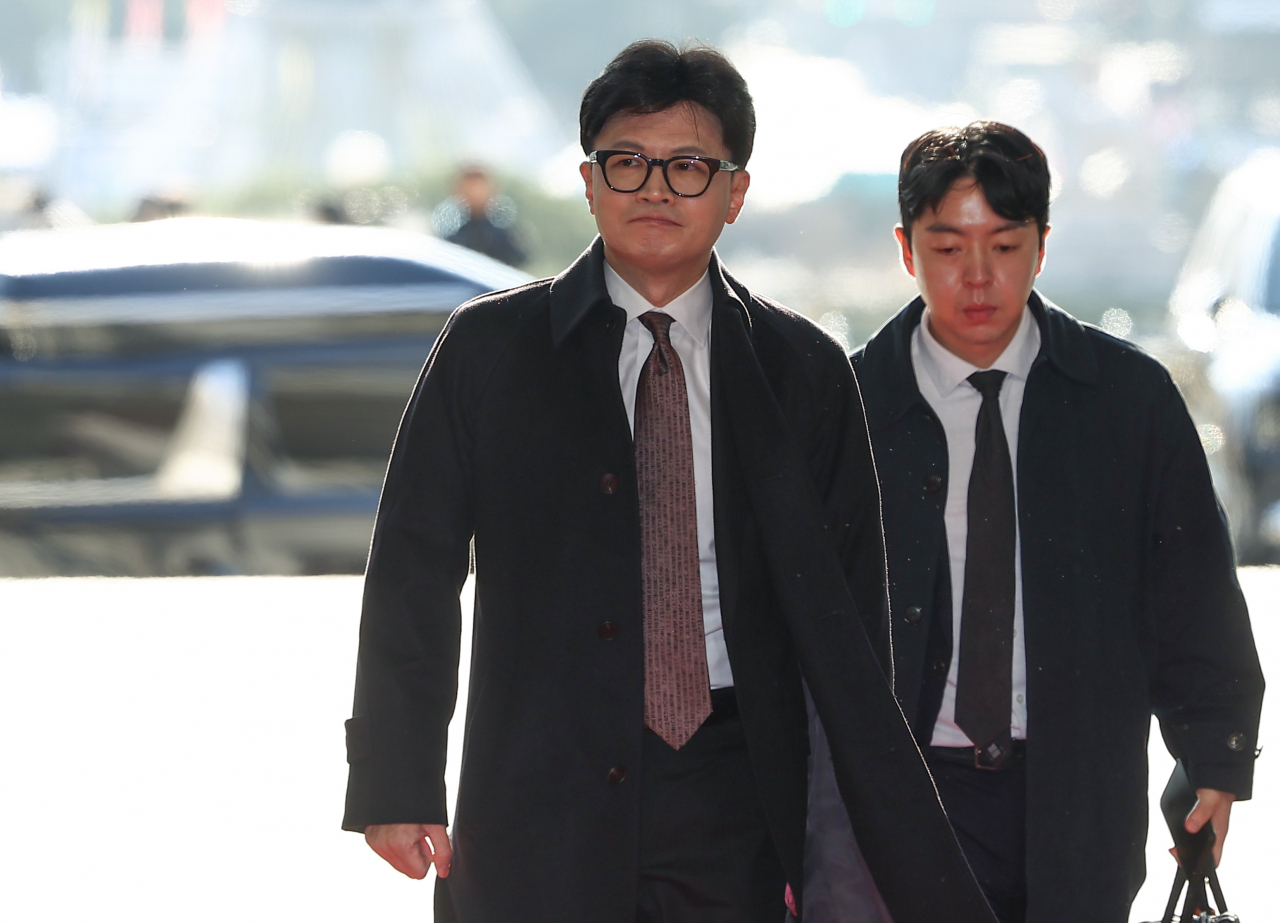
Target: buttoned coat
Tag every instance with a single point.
(1130, 598)
(517, 435)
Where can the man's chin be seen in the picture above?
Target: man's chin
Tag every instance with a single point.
(650, 254)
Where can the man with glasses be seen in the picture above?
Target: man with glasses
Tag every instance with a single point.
(670, 490)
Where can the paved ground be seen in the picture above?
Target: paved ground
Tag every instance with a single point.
(172, 751)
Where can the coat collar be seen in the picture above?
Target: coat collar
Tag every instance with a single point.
(580, 289)
(889, 374)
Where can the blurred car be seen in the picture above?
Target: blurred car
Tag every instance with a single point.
(1225, 311)
(209, 396)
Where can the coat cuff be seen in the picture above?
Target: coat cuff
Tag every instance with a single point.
(1218, 754)
(387, 788)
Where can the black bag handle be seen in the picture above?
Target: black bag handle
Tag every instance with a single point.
(1195, 856)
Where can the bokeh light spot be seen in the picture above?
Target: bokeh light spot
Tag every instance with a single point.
(1102, 174)
(1211, 437)
(357, 158)
(1117, 322)
(836, 324)
(845, 13)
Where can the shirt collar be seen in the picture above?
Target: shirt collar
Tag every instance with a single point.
(691, 309)
(948, 370)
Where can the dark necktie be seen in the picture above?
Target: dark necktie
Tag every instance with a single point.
(984, 684)
(677, 692)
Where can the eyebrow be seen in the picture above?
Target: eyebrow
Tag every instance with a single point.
(686, 151)
(939, 227)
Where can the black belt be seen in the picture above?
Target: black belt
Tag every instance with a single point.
(968, 756)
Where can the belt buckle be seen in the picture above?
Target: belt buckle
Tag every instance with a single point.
(992, 757)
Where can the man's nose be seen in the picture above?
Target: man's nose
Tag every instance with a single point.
(655, 188)
(977, 268)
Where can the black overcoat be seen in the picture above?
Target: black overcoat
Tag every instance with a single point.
(1130, 597)
(517, 435)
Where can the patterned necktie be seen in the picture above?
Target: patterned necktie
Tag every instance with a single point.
(677, 692)
(984, 683)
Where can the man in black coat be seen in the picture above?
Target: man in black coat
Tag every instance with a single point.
(1059, 568)
(614, 771)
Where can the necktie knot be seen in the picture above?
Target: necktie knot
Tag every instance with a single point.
(659, 325)
(988, 383)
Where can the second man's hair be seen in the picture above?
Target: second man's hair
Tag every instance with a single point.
(1010, 168)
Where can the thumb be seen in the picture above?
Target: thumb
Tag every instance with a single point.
(1199, 816)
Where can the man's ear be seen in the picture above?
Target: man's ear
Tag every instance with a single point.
(737, 193)
(904, 243)
(588, 177)
(1040, 258)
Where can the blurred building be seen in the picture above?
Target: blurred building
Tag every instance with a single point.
(157, 97)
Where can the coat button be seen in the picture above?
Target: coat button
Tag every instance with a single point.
(609, 484)
(933, 483)
(940, 667)
(608, 630)
(616, 774)
(913, 615)
(1236, 742)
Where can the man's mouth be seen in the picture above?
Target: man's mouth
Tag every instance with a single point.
(978, 313)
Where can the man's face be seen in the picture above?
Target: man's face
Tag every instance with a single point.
(975, 271)
(653, 229)
(475, 190)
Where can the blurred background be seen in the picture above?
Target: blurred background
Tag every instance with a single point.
(455, 121)
(277, 108)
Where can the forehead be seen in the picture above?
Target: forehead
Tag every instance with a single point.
(684, 125)
(965, 208)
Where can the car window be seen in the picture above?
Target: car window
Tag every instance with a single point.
(84, 437)
(86, 426)
(336, 424)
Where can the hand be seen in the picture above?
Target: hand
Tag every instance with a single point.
(1212, 805)
(412, 848)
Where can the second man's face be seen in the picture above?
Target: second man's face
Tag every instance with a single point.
(975, 270)
(653, 229)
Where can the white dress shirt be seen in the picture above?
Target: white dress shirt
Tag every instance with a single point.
(942, 378)
(691, 338)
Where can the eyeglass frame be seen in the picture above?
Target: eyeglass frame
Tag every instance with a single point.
(716, 165)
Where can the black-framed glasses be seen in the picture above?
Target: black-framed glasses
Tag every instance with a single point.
(688, 177)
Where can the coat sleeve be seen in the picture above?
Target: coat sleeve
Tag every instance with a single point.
(407, 667)
(1206, 680)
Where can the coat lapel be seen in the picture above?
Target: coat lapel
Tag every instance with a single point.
(727, 309)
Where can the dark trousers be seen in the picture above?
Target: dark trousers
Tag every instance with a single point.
(988, 811)
(706, 855)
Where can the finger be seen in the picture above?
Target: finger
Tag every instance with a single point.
(441, 849)
(1197, 818)
(1221, 822)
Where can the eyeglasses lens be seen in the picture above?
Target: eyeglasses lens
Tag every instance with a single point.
(686, 176)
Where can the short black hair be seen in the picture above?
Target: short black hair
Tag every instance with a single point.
(1009, 166)
(652, 76)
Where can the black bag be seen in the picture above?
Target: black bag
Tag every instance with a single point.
(1195, 858)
